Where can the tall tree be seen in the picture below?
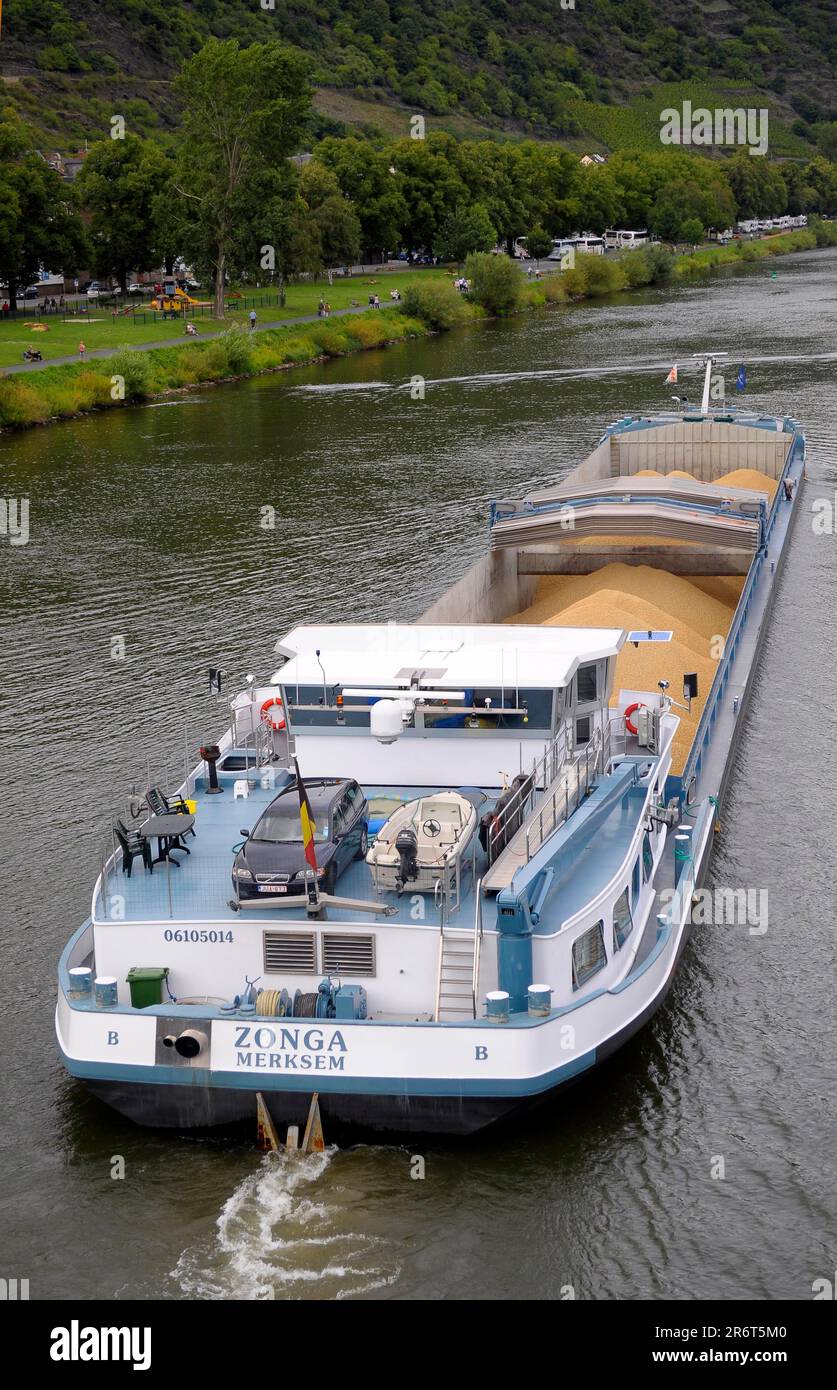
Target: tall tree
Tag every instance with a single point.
(467, 229)
(119, 185)
(758, 187)
(330, 214)
(242, 118)
(40, 224)
(370, 180)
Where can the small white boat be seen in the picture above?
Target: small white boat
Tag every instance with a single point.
(421, 842)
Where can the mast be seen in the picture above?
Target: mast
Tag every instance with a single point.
(707, 360)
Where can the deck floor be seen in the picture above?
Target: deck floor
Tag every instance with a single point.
(201, 888)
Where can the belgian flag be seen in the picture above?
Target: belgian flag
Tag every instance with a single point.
(307, 820)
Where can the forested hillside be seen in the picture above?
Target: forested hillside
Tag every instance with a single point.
(585, 74)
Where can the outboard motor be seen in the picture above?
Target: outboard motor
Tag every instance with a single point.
(406, 843)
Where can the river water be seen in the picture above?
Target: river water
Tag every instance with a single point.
(147, 525)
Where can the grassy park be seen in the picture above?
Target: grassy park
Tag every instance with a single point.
(99, 329)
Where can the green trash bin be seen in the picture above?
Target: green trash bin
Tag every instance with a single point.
(146, 983)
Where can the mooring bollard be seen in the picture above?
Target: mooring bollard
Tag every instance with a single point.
(81, 982)
(539, 999)
(106, 991)
(497, 1003)
(682, 852)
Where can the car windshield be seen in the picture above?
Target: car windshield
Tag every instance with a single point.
(280, 824)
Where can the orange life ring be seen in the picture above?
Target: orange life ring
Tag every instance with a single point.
(628, 712)
(277, 722)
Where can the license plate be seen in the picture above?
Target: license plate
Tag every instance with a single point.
(273, 887)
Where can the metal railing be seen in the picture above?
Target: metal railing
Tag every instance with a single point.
(523, 801)
(586, 764)
(475, 979)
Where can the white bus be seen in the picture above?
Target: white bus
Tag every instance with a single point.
(584, 245)
(617, 238)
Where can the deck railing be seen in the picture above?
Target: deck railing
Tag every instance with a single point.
(523, 801)
(475, 981)
(586, 764)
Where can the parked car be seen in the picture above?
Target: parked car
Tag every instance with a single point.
(138, 289)
(272, 858)
(32, 292)
(94, 289)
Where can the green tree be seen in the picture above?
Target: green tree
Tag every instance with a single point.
(687, 200)
(826, 137)
(821, 177)
(431, 186)
(539, 242)
(369, 179)
(691, 230)
(465, 230)
(331, 215)
(758, 187)
(243, 113)
(496, 282)
(119, 185)
(285, 230)
(339, 229)
(40, 224)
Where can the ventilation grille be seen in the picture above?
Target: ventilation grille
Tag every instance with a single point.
(348, 955)
(290, 953)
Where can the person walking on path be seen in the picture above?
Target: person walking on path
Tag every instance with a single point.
(81, 351)
(253, 317)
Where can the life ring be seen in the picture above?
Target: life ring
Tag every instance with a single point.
(628, 712)
(277, 721)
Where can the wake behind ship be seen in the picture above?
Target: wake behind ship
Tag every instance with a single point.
(479, 886)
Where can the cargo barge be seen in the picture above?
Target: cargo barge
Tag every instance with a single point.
(438, 871)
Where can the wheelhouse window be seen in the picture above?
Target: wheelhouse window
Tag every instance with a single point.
(582, 731)
(622, 921)
(587, 684)
(589, 955)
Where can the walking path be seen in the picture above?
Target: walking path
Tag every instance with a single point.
(175, 342)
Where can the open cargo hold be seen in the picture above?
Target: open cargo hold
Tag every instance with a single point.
(656, 529)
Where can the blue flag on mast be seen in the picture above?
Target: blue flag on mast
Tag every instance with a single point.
(741, 379)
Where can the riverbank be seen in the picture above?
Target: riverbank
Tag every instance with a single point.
(106, 326)
(131, 375)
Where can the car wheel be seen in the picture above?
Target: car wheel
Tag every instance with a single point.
(364, 844)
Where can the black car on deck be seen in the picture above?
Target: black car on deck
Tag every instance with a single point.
(272, 859)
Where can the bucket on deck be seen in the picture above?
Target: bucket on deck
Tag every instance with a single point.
(146, 984)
